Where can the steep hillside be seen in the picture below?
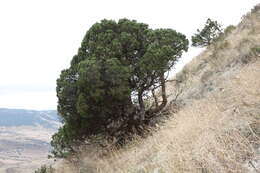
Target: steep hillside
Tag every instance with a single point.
(217, 125)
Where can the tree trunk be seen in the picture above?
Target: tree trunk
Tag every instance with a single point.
(164, 98)
(142, 106)
(155, 99)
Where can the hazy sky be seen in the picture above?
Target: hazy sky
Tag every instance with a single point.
(39, 38)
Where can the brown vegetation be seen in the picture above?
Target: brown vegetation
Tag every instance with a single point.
(217, 127)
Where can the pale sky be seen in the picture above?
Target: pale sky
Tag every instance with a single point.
(38, 38)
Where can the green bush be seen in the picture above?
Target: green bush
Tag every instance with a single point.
(104, 90)
(63, 142)
(44, 169)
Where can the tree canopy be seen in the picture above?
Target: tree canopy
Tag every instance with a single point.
(105, 89)
(207, 35)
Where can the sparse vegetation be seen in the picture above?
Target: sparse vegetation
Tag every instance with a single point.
(45, 169)
(255, 9)
(229, 29)
(221, 45)
(253, 54)
(255, 50)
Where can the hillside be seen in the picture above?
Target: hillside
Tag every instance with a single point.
(215, 120)
(24, 138)
(21, 117)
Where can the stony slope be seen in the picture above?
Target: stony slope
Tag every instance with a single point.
(217, 126)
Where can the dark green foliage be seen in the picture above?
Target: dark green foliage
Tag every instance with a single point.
(63, 141)
(207, 35)
(44, 169)
(116, 67)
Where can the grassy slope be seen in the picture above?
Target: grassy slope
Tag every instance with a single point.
(217, 128)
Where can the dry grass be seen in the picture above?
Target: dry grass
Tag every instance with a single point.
(217, 128)
(213, 134)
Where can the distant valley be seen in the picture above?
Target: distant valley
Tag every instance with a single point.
(24, 138)
(21, 117)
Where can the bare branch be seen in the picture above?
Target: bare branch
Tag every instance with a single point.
(155, 98)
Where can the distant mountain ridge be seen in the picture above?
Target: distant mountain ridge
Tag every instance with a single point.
(23, 117)
(25, 138)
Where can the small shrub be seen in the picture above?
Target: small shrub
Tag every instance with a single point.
(256, 8)
(44, 169)
(255, 50)
(253, 54)
(62, 142)
(229, 29)
(243, 43)
(221, 45)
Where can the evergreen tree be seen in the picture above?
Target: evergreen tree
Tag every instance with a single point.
(105, 88)
(207, 35)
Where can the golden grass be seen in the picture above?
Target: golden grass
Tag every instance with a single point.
(217, 128)
(213, 134)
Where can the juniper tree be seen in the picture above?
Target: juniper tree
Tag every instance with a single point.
(117, 65)
(207, 35)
